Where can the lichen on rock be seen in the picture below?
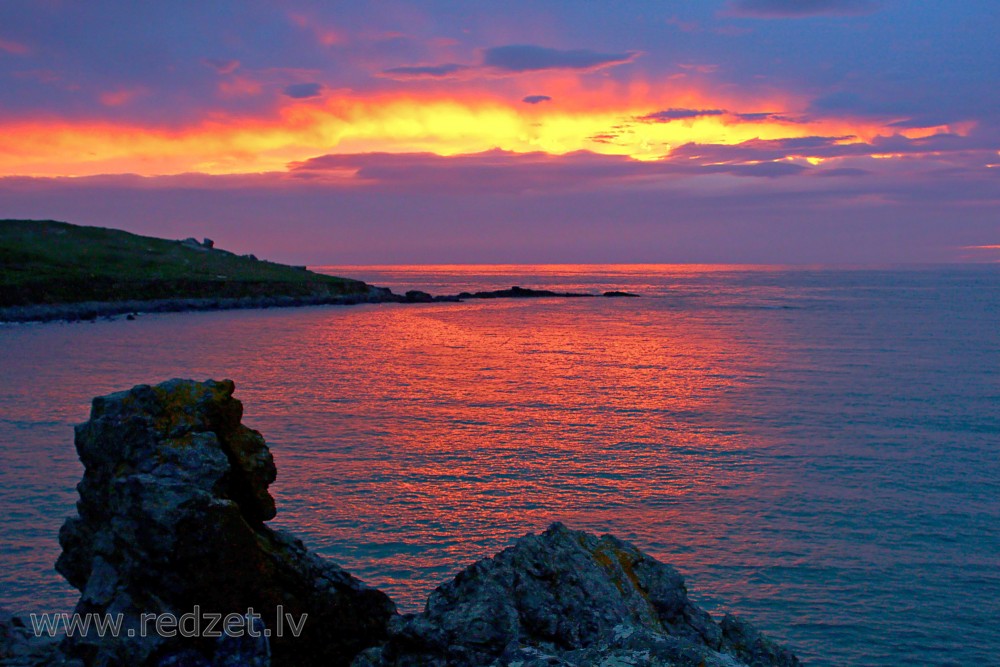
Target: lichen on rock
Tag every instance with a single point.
(171, 518)
(569, 598)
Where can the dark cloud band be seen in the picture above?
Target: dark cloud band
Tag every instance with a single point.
(782, 9)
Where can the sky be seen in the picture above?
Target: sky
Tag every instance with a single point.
(732, 131)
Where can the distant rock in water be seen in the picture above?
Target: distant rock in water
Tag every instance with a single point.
(172, 505)
(172, 508)
(416, 296)
(569, 598)
(518, 293)
(529, 293)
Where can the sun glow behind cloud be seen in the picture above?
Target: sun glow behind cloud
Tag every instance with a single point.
(632, 124)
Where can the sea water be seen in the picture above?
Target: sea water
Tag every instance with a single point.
(814, 449)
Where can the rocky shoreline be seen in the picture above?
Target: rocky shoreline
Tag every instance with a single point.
(93, 310)
(172, 524)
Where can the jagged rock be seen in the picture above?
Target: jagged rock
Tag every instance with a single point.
(569, 598)
(171, 520)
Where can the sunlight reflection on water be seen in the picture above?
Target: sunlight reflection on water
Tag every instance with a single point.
(813, 449)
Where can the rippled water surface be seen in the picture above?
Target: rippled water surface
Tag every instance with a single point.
(814, 449)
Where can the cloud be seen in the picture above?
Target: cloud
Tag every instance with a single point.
(846, 102)
(700, 68)
(116, 98)
(759, 116)
(508, 207)
(506, 171)
(536, 99)
(760, 170)
(14, 48)
(222, 66)
(443, 71)
(530, 58)
(515, 59)
(668, 115)
(302, 91)
(785, 9)
(850, 172)
(765, 150)
(489, 171)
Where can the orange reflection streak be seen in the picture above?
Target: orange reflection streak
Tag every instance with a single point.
(605, 119)
(502, 417)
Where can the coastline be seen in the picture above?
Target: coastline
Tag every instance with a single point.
(89, 311)
(51, 270)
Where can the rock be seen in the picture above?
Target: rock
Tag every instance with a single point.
(20, 648)
(171, 521)
(516, 292)
(569, 598)
(172, 512)
(208, 243)
(416, 296)
(618, 293)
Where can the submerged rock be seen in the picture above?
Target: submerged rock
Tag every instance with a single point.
(171, 521)
(569, 598)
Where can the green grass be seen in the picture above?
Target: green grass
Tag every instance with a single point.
(49, 262)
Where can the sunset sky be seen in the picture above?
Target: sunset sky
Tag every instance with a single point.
(756, 131)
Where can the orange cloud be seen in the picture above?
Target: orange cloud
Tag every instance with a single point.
(14, 48)
(325, 35)
(238, 86)
(116, 98)
(605, 117)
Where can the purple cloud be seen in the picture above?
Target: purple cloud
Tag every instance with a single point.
(763, 115)
(784, 9)
(444, 71)
(536, 99)
(530, 58)
(765, 150)
(841, 172)
(668, 115)
(302, 91)
(222, 66)
(761, 170)
(496, 212)
(516, 59)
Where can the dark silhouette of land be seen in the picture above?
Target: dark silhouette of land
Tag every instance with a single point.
(52, 270)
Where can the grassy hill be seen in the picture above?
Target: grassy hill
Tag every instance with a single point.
(49, 262)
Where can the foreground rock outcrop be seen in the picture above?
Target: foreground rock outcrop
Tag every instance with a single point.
(171, 523)
(172, 509)
(569, 598)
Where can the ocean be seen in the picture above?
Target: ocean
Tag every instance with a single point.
(815, 449)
